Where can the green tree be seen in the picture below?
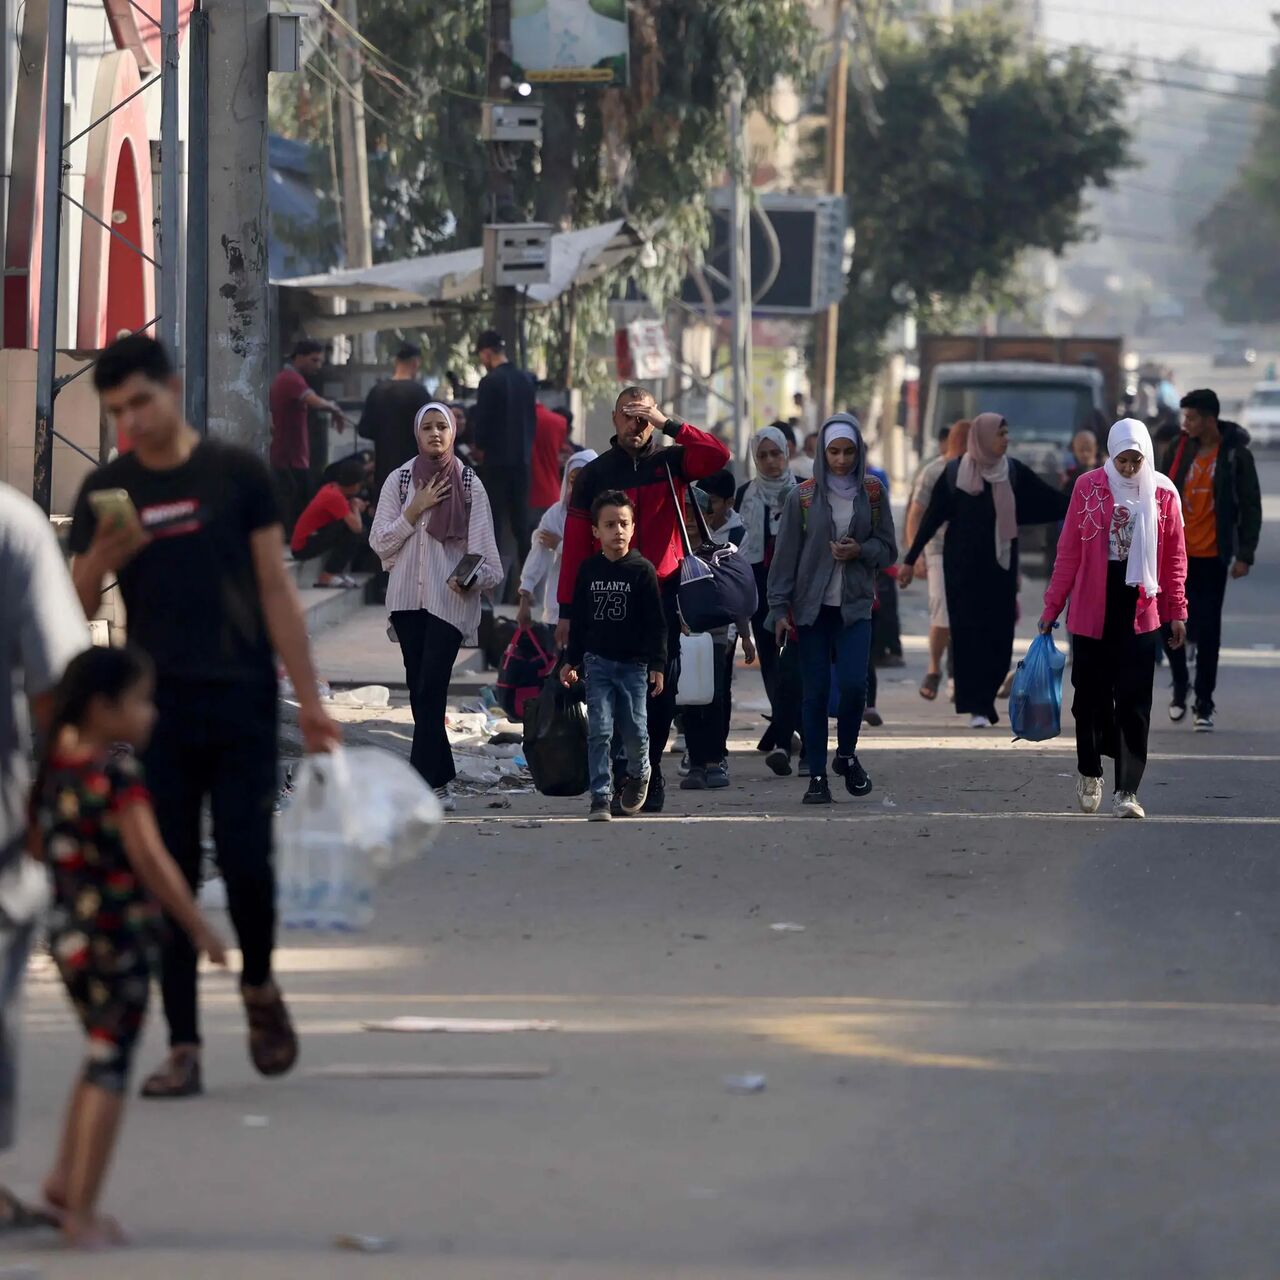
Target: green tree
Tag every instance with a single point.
(1241, 233)
(985, 149)
(648, 152)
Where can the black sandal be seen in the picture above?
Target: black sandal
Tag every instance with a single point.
(16, 1216)
(929, 686)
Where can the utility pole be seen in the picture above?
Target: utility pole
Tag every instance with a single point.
(196, 330)
(170, 178)
(740, 268)
(356, 218)
(50, 245)
(502, 206)
(239, 335)
(837, 107)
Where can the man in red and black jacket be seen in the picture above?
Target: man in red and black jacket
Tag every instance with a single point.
(637, 463)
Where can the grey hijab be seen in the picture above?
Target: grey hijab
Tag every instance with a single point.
(820, 516)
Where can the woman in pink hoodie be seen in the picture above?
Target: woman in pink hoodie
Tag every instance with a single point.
(1122, 560)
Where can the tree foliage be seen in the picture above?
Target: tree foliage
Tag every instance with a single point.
(986, 149)
(1241, 233)
(648, 152)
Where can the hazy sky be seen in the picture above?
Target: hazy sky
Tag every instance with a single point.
(1232, 34)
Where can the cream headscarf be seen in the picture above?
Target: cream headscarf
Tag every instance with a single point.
(981, 463)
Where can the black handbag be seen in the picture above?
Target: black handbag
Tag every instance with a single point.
(717, 585)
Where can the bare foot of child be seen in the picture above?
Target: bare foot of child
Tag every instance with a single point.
(83, 1231)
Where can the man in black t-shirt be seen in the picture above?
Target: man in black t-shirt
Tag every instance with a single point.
(389, 412)
(199, 554)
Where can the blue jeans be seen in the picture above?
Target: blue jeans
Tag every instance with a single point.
(617, 694)
(829, 647)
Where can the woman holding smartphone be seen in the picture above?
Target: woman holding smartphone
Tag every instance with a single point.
(434, 533)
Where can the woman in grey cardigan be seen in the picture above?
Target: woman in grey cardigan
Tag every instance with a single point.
(836, 534)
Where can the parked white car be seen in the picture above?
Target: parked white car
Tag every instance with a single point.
(1262, 415)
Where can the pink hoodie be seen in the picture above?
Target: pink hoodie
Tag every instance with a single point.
(1080, 569)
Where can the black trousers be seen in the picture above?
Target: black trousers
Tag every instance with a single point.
(706, 728)
(337, 543)
(1113, 678)
(508, 490)
(293, 492)
(216, 739)
(1206, 593)
(662, 709)
(429, 646)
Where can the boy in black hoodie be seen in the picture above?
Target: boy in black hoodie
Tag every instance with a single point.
(617, 635)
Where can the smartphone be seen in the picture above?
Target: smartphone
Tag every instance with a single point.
(113, 506)
(468, 570)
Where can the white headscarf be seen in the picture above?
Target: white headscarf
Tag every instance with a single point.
(764, 499)
(553, 520)
(1139, 496)
(844, 426)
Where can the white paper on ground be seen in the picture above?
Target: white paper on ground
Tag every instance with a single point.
(485, 1026)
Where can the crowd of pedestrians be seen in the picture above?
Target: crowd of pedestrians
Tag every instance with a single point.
(111, 757)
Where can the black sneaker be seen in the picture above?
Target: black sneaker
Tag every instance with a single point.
(632, 796)
(819, 792)
(717, 777)
(872, 717)
(840, 764)
(780, 762)
(694, 780)
(856, 782)
(657, 797)
(1203, 720)
(600, 809)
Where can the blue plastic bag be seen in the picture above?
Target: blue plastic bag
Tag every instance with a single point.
(1035, 704)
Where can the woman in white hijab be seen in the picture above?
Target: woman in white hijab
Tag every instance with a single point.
(1122, 561)
(760, 502)
(542, 564)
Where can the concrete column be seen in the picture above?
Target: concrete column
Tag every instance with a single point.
(239, 335)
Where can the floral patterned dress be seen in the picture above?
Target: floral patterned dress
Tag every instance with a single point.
(103, 929)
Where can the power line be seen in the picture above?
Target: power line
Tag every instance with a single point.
(1179, 64)
(1154, 20)
(1177, 85)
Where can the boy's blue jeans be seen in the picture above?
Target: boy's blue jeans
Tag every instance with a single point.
(617, 694)
(826, 644)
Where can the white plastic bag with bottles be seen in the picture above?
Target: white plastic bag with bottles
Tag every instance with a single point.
(355, 815)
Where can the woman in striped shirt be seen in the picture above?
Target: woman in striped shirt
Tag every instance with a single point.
(431, 513)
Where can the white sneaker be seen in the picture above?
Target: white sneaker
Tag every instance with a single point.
(447, 801)
(979, 722)
(1127, 806)
(1089, 793)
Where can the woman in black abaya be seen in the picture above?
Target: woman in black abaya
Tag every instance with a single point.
(982, 498)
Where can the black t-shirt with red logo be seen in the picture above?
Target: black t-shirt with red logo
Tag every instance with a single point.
(191, 593)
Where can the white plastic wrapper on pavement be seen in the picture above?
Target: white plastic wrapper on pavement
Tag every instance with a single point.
(355, 815)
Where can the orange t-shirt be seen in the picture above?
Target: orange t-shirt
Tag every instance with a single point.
(1198, 509)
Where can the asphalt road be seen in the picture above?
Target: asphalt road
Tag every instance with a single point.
(1011, 1042)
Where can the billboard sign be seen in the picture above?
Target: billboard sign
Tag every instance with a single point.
(571, 41)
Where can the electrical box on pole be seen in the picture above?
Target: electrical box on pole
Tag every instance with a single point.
(511, 122)
(517, 254)
(284, 35)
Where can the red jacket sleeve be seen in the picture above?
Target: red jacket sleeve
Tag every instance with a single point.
(1171, 603)
(573, 551)
(703, 455)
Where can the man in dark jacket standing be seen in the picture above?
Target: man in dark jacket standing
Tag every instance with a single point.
(637, 463)
(503, 425)
(1213, 469)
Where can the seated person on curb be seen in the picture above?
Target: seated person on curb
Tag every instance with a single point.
(707, 728)
(332, 526)
(618, 636)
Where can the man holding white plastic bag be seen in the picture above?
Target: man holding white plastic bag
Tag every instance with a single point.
(190, 528)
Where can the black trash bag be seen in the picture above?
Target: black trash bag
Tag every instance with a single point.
(555, 739)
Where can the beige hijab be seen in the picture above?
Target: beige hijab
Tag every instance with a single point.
(981, 465)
